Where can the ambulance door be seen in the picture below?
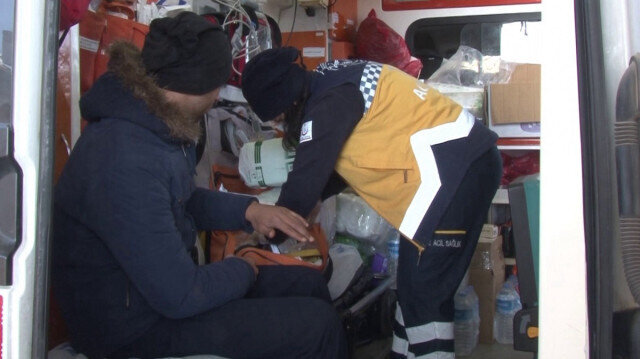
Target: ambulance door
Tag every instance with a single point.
(609, 53)
(28, 50)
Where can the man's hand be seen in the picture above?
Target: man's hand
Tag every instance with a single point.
(266, 219)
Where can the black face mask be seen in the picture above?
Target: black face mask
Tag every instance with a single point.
(272, 81)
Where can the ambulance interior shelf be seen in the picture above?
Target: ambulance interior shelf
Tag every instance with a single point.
(519, 143)
(495, 55)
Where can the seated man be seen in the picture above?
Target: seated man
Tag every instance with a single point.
(127, 211)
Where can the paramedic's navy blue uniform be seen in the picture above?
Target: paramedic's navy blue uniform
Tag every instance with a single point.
(417, 158)
(126, 214)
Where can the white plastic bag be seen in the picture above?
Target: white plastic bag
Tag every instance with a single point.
(470, 98)
(356, 218)
(469, 67)
(327, 218)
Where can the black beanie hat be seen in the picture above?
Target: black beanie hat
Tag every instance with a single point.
(272, 81)
(187, 54)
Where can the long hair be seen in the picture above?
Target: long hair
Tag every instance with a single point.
(293, 117)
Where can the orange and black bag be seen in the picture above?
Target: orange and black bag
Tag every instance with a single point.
(316, 255)
(223, 243)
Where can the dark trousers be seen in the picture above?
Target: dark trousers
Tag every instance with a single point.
(423, 323)
(288, 314)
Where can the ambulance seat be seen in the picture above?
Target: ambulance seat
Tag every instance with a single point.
(65, 351)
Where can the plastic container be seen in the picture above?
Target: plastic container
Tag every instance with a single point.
(507, 305)
(265, 163)
(512, 282)
(379, 265)
(393, 251)
(466, 321)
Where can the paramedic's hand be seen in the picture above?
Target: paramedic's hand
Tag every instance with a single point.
(266, 219)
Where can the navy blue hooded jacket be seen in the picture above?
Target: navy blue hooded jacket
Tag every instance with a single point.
(125, 220)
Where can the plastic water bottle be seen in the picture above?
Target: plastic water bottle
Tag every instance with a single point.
(512, 281)
(466, 321)
(507, 304)
(393, 251)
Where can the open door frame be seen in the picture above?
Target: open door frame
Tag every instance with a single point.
(598, 176)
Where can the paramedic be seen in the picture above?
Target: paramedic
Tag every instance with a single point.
(126, 214)
(415, 156)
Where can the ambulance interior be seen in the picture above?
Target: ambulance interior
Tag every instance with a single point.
(325, 32)
(486, 55)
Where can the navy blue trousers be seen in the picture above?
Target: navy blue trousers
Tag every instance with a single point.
(288, 314)
(423, 325)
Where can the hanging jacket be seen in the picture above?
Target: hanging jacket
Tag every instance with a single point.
(402, 146)
(125, 220)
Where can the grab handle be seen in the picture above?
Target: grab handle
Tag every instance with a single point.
(11, 203)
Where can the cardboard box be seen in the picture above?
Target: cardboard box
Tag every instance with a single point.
(517, 101)
(486, 275)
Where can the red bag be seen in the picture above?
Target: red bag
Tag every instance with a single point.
(71, 11)
(112, 21)
(514, 167)
(376, 41)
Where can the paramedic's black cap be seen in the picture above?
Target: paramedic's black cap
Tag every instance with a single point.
(187, 54)
(272, 81)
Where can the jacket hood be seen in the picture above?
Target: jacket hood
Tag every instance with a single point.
(125, 92)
